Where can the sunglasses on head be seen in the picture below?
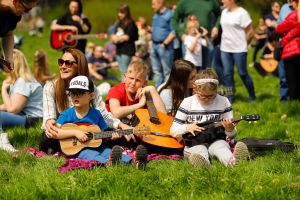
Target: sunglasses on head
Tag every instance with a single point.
(68, 63)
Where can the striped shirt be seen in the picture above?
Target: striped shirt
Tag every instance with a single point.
(192, 111)
(50, 110)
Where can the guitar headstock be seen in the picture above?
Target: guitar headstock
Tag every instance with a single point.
(141, 131)
(250, 118)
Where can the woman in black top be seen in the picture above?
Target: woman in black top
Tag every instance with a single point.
(74, 20)
(126, 33)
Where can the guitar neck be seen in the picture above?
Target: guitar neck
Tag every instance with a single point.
(86, 36)
(151, 109)
(218, 123)
(108, 134)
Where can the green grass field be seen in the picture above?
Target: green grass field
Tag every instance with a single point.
(274, 176)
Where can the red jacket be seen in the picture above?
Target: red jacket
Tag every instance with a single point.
(290, 29)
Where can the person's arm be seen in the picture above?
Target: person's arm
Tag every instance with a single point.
(298, 12)
(94, 73)
(230, 129)
(157, 100)
(169, 39)
(49, 110)
(122, 111)
(8, 46)
(14, 103)
(56, 26)
(249, 33)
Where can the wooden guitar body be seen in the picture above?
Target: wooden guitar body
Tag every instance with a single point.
(71, 146)
(159, 125)
(269, 65)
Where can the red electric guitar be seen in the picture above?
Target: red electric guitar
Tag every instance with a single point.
(67, 38)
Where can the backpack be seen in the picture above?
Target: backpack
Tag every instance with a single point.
(261, 146)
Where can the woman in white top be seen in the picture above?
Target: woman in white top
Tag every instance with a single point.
(237, 32)
(22, 98)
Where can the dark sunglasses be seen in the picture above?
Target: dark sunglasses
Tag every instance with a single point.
(76, 93)
(26, 9)
(68, 63)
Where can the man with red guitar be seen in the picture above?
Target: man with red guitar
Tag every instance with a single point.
(74, 20)
(10, 14)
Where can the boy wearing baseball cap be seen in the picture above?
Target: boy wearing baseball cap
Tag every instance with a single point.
(81, 92)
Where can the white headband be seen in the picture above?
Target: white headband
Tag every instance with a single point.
(206, 80)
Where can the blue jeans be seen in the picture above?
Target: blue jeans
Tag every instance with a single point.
(240, 60)
(9, 120)
(100, 154)
(283, 82)
(207, 55)
(218, 65)
(123, 62)
(161, 61)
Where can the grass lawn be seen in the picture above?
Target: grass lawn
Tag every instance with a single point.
(274, 176)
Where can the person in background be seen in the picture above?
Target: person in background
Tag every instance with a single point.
(272, 17)
(124, 37)
(207, 13)
(193, 42)
(286, 9)
(178, 86)
(10, 14)
(74, 20)
(89, 51)
(22, 99)
(237, 34)
(99, 64)
(206, 105)
(40, 67)
(162, 36)
(290, 30)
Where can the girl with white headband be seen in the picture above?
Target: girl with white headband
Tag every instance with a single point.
(206, 105)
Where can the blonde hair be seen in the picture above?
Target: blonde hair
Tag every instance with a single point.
(192, 25)
(207, 74)
(21, 67)
(138, 67)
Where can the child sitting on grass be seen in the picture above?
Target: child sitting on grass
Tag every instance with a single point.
(206, 105)
(81, 91)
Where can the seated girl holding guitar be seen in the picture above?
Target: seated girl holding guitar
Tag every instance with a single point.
(206, 105)
(81, 91)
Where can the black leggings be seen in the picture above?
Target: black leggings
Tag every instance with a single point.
(292, 70)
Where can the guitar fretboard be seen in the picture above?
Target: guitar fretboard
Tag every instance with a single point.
(108, 134)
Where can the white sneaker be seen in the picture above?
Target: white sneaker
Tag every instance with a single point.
(5, 144)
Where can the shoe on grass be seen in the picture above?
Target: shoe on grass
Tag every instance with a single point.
(115, 156)
(5, 144)
(139, 159)
(198, 161)
(240, 152)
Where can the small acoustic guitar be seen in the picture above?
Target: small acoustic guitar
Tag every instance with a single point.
(159, 125)
(67, 38)
(268, 64)
(71, 146)
(213, 130)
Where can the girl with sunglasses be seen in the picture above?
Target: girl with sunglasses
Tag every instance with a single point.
(206, 105)
(55, 100)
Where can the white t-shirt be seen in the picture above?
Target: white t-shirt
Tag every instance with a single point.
(196, 56)
(234, 35)
(191, 110)
(166, 96)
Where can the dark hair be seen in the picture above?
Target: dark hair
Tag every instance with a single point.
(124, 8)
(80, 9)
(178, 82)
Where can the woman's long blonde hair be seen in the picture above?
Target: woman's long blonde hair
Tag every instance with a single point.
(21, 67)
